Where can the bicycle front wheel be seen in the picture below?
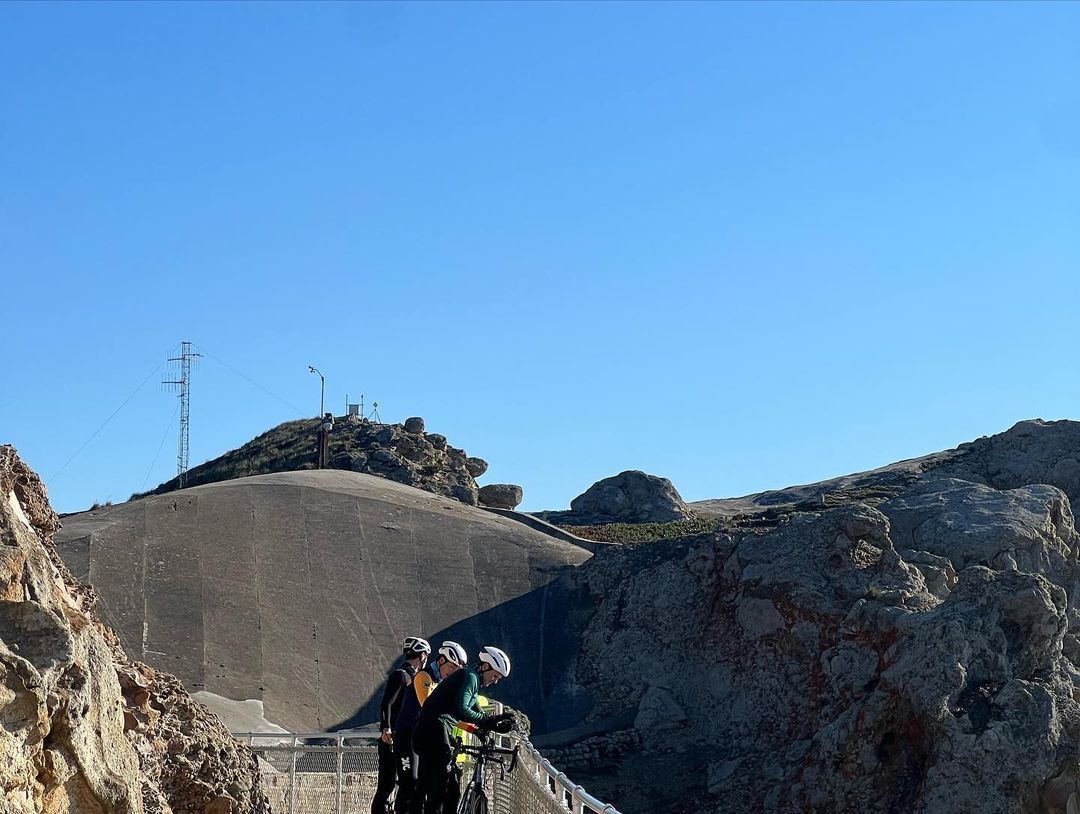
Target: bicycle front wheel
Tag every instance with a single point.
(473, 802)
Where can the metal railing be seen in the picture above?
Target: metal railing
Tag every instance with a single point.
(336, 773)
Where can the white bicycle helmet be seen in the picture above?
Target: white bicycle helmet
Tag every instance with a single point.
(454, 652)
(498, 660)
(414, 646)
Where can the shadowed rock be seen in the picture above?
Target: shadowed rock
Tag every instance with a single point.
(501, 495)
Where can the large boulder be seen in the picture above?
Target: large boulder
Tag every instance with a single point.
(414, 425)
(85, 730)
(501, 495)
(632, 497)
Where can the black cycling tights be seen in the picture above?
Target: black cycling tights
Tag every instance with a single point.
(387, 778)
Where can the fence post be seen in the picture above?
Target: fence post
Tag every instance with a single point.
(338, 781)
(292, 777)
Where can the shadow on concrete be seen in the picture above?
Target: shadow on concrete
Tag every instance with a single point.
(541, 631)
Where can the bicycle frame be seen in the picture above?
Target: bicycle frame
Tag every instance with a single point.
(486, 752)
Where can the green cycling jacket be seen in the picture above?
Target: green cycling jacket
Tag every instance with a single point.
(454, 699)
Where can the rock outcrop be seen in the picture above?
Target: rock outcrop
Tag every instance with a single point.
(501, 495)
(85, 731)
(918, 655)
(631, 497)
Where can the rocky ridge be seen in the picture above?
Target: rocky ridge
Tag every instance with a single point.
(404, 453)
(85, 729)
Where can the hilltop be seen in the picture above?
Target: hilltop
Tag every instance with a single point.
(403, 453)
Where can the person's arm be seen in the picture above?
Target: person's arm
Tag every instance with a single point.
(394, 686)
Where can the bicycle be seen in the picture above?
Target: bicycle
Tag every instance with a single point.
(474, 797)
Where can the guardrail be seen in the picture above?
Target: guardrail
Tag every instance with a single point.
(336, 773)
(563, 790)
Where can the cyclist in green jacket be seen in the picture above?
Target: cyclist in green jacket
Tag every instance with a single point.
(453, 699)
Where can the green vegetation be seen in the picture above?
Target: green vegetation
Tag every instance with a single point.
(285, 448)
(647, 532)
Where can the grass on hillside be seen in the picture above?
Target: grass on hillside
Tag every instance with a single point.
(646, 532)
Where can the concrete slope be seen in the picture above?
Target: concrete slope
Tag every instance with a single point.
(295, 589)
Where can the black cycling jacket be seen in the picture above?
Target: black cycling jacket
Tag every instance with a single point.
(399, 681)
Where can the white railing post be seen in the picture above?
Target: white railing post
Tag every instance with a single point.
(292, 777)
(339, 780)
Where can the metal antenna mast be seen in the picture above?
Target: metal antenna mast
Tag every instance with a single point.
(182, 369)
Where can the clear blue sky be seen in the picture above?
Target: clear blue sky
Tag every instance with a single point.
(741, 246)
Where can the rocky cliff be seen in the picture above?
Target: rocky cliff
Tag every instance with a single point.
(85, 730)
(915, 655)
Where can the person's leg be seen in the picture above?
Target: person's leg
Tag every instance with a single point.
(416, 799)
(435, 754)
(387, 778)
(403, 756)
(453, 790)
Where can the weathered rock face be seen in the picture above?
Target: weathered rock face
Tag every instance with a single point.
(1034, 451)
(818, 668)
(631, 497)
(916, 656)
(501, 495)
(84, 729)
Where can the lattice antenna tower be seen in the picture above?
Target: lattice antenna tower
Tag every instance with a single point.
(180, 370)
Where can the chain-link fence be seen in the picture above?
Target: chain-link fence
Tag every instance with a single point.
(336, 773)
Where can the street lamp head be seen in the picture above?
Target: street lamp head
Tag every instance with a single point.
(311, 369)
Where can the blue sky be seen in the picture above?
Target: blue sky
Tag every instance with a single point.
(738, 245)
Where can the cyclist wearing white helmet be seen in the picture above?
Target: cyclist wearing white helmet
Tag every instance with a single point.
(415, 650)
(453, 700)
(451, 658)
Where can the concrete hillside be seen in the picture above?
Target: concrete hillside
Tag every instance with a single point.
(295, 589)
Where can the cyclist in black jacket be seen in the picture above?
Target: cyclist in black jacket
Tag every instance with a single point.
(415, 650)
(453, 700)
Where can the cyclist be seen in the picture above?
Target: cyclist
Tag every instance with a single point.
(453, 700)
(451, 658)
(415, 650)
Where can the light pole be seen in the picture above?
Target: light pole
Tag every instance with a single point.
(322, 388)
